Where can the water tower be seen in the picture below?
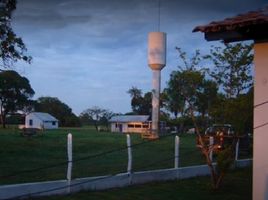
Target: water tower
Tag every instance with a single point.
(156, 61)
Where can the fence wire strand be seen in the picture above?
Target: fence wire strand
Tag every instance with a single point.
(81, 159)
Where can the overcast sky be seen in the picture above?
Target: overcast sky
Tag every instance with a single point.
(90, 52)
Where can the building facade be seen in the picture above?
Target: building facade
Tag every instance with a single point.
(130, 123)
(41, 120)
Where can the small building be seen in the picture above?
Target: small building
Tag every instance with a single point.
(130, 123)
(41, 120)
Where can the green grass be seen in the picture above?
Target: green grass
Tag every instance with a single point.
(236, 186)
(19, 153)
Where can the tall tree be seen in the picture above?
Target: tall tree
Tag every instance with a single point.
(207, 97)
(98, 115)
(141, 104)
(173, 102)
(12, 48)
(136, 99)
(146, 104)
(232, 67)
(57, 108)
(191, 84)
(189, 80)
(15, 93)
(107, 115)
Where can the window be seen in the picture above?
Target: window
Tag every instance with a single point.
(30, 122)
(137, 125)
(145, 126)
(130, 125)
(53, 123)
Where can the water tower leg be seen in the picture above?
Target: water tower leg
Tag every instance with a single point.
(155, 103)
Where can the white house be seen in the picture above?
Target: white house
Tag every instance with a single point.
(41, 121)
(130, 123)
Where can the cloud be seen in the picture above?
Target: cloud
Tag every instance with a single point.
(90, 52)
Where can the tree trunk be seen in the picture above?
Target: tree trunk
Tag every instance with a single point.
(3, 120)
(3, 117)
(96, 126)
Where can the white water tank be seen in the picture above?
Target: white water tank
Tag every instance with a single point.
(157, 50)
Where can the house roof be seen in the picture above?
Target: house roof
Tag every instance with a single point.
(129, 118)
(44, 116)
(250, 25)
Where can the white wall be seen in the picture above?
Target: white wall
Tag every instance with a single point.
(260, 142)
(49, 125)
(36, 122)
(126, 129)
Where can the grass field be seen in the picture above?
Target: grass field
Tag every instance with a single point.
(47, 153)
(48, 148)
(236, 186)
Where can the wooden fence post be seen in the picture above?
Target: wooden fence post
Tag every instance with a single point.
(70, 159)
(211, 143)
(129, 151)
(177, 144)
(237, 149)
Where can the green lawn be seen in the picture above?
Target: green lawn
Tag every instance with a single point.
(49, 148)
(236, 186)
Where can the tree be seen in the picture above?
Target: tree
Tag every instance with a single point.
(232, 67)
(189, 81)
(190, 85)
(146, 104)
(96, 114)
(60, 110)
(173, 101)
(12, 48)
(206, 98)
(85, 119)
(136, 99)
(107, 115)
(236, 111)
(15, 93)
(141, 104)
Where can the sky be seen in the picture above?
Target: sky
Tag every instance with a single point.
(91, 52)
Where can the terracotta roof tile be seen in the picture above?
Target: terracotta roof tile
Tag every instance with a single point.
(258, 17)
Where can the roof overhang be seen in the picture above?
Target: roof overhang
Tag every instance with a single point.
(258, 33)
(249, 26)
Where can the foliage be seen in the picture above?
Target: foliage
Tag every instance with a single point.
(58, 109)
(190, 84)
(236, 111)
(15, 93)
(15, 118)
(173, 102)
(225, 159)
(141, 105)
(136, 95)
(12, 48)
(85, 119)
(217, 95)
(232, 67)
(96, 115)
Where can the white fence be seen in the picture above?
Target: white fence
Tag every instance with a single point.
(62, 187)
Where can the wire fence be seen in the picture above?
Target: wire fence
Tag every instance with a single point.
(146, 155)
